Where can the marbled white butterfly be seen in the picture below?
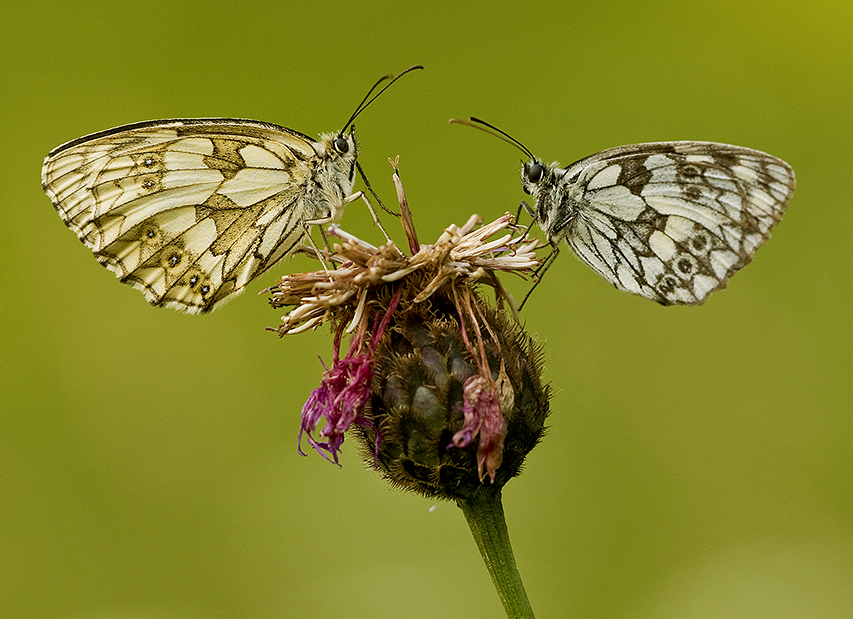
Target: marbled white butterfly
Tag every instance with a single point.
(670, 221)
(189, 211)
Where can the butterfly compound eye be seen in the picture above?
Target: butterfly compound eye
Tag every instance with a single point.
(535, 172)
(341, 145)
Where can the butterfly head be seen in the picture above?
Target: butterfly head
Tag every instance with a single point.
(335, 169)
(341, 146)
(534, 177)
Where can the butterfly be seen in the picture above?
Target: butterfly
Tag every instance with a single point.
(190, 211)
(669, 221)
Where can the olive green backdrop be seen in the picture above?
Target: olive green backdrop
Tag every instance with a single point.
(699, 459)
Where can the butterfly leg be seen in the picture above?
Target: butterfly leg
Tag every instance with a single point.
(360, 194)
(327, 250)
(524, 205)
(540, 273)
(373, 193)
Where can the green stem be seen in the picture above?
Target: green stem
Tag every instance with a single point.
(485, 515)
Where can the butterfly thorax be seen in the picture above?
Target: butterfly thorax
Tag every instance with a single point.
(333, 176)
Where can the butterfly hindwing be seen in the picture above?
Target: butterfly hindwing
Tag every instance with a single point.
(190, 211)
(671, 221)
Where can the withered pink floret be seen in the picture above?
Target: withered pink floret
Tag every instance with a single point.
(482, 417)
(344, 390)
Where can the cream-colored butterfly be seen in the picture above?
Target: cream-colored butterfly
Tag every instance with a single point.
(189, 211)
(669, 221)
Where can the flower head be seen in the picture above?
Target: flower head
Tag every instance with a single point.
(443, 390)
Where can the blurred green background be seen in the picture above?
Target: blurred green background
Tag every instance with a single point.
(699, 459)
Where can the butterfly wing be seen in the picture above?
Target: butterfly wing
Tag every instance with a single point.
(187, 211)
(673, 221)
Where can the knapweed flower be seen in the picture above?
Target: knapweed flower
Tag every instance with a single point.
(442, 389)
(457, 398)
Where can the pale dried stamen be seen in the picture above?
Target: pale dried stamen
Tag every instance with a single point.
(463, 255)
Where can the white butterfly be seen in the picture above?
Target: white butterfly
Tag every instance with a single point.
(189, 211)
(670, 221)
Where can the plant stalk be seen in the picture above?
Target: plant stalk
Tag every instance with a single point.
(485, 515)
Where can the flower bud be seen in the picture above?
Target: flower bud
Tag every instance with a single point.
(453, 405)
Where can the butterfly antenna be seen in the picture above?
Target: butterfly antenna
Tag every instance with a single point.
(482, 125)
(368, 100)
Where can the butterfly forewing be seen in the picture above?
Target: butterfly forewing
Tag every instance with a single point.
(671, 221)
(189, 211)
